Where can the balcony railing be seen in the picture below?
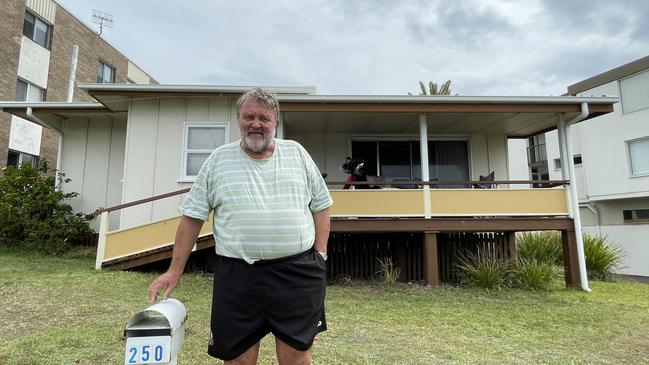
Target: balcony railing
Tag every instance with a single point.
(388, 202)
(537, 154)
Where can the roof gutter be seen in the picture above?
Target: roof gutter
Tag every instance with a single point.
(565, 129)
(30, 116)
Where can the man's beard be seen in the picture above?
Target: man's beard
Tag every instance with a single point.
(257, 145)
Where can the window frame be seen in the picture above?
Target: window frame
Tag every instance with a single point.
(633, 214)
(557, 161)
(621, 93)
(186, 151)
(35, 159)
(32, 37)
(628, 157)
(105, 65)
(28, 88)
(411, 138)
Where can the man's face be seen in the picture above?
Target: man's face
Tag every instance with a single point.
(257, 124)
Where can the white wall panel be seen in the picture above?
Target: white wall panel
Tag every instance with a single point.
(93, 158)
(25, 136)
(34, 62)
(517, 161)
(337, 146)
(633, 239)
(116, 169)
(140, 160)
(169, 156)
(73, 158)
(479, 157)
(497, 153)
(315, 145)
(95, 174)
(154, 156)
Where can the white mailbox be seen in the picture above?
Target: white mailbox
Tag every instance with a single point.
(155, 335)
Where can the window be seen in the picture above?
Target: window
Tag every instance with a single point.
(28, 92)
(576, 159)
(638, 151)
(634, 92)
(105, 73)
(37, 30)
(199, 141)
(636, 216)
(17, 159)
(536, 152)
(401, 160)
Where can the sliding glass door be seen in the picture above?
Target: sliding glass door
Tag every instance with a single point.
(400, 160)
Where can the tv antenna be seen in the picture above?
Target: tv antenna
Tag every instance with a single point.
(103, 19)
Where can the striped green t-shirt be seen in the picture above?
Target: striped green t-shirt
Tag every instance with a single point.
(262, 208)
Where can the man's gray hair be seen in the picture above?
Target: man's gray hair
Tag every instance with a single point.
(266, 98)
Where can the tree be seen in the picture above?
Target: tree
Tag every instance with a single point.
(445, 89)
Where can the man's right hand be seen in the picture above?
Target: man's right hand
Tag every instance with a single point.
(166, 282)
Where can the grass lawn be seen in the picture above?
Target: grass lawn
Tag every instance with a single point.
(61, 311)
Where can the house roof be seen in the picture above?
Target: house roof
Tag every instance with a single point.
(51, 114)
(117, 96)
(305, 112)
(609, 76)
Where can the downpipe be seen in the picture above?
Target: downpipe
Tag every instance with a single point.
(583, 274)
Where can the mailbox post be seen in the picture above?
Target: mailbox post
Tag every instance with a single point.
(155, 335)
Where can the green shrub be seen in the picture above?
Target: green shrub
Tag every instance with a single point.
(602, 257)
(533, 274)
(484, 270)
(33, 214)
(542, 246)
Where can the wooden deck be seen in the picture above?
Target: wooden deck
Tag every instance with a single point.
(429, 228)
(427, 212)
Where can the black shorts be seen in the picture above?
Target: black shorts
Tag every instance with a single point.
(283, 296)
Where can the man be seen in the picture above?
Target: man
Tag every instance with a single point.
(271, 225)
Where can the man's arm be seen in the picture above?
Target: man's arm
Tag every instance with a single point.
(322, 221)
(186, 236)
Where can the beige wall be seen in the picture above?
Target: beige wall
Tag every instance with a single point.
(44, 8)
(92, 157)
(488, 153)
(154, 151)
(136, 74)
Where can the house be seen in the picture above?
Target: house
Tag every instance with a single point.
(138, 149)
(611, 157)
(38, 39)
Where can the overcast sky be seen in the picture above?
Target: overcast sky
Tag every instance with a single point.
(526, 47)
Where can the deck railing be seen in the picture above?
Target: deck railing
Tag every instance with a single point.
(389, 202)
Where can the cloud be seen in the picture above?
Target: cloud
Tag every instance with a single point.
(526, 47)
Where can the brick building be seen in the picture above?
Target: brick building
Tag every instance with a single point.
(36, 45)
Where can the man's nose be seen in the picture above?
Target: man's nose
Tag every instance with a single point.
(255, 123)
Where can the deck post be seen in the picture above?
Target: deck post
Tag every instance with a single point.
(431, 260)
(511, 244)
(101, 240)
(570, 258)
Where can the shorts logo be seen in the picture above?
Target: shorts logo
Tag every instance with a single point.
(211, 340)
(319, 324)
